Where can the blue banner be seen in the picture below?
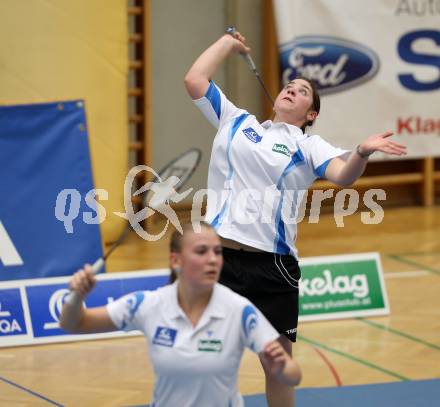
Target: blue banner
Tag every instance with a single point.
(30, 309)
(11, 313)
(44, 151)
(46, 301)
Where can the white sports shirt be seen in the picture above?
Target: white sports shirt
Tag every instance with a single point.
(259, 174)
(194, 366)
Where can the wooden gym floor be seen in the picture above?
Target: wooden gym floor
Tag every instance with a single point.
(402, 346)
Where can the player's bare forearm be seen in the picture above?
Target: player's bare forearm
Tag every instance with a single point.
(280, 364)
(344, 173)
(201, 72)
(71, 316)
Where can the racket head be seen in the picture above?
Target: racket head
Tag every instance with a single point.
(182, 167)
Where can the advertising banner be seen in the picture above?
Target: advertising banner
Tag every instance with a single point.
(46, 177)
(377, 65)
(30, 309)
(331, 287)
(342, 287)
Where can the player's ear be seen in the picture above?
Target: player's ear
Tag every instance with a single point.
(175, 260)
(312, 115)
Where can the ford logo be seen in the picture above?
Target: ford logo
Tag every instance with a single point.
(334, 64)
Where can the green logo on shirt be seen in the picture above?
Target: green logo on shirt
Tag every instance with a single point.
(210, 345)
(282, 149)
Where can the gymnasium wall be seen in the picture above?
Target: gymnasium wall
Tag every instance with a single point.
(181, 30)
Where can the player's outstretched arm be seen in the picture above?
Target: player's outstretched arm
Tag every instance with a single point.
(280, 364)
(75, 318)
(344, 173)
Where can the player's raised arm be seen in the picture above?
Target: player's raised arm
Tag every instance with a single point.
(198, 77)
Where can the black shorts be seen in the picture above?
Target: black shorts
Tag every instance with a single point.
(270, 281)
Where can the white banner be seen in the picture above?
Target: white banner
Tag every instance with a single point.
(376, 62)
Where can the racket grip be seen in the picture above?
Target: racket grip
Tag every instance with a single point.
(73, 298)
(249, 61)
(231, 30)
(98, 265)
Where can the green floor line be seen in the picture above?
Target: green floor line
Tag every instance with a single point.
(413, 263)
(353, 358)
(396, 332)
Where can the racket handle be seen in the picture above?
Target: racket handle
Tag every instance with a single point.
(98, 265)
(231, 30)
(249, 61)
(73, 298)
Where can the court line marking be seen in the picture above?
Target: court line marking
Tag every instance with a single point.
(33, 393)
(413, 263)
(407, 274)
(399, 333)
(416, 254)
(354, 358)
(329, 365)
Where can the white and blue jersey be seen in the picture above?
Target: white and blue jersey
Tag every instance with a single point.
(194, 366)
(258, 174)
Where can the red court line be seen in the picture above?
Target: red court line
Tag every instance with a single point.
(330, 366)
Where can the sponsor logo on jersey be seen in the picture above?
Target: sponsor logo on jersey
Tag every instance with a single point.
(282, 149)
(335, 64)
(249, 319)
(164, 336)
(210, 345)
(252, 135)
(133, 304)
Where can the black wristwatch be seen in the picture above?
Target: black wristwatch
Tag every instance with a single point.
(360, 154)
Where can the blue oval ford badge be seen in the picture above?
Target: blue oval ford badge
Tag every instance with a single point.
(334, 64)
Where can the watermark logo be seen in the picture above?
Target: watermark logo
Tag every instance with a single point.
(334, 64)
(162, 193)
(246, 206)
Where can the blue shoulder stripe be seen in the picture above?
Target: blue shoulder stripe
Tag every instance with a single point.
(320, 171)
(133, 303)
(213, 95)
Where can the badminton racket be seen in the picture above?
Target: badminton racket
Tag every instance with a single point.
(182, 167)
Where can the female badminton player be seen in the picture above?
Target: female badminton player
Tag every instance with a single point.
(253, 161)
(196, 329)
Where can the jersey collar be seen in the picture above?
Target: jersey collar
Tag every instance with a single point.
(213, 310)
(292, 130)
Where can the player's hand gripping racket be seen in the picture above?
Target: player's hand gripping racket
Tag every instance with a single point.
(182, 167)
(247, 57)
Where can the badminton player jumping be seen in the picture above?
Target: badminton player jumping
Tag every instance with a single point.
(248, 158)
